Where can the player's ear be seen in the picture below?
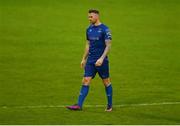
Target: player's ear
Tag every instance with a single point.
(96, 16)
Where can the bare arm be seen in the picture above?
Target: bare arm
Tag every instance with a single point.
(107, 49)
(85, 55)
(105, 53)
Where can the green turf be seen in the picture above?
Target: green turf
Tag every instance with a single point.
(41, 45)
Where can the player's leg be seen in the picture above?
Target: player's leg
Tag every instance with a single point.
(88, 75)
(108, 89)
(84, 90)
(103, 72)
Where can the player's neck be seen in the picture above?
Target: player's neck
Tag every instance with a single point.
(97, 23)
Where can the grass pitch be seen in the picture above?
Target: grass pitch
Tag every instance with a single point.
(41, 45)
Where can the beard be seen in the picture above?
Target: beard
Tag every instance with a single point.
(93, 22)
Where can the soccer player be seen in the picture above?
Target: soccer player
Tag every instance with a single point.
(95, 59)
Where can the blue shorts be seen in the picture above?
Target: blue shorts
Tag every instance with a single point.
(91, 69)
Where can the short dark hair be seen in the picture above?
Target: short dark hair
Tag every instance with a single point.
(93, 11)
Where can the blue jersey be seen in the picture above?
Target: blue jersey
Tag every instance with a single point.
(97, 35)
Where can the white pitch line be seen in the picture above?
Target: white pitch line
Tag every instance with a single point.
(93, 106)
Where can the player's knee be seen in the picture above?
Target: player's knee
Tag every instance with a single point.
(86, 80)
(106, 82)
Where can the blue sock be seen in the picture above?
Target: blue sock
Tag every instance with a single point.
(83, 94)
(109, 94)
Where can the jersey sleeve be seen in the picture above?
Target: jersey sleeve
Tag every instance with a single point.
(107, 34)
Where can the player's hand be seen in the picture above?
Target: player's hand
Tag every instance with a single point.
(83, 62)
(99, 62)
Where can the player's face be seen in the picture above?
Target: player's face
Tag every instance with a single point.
(93, 18)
